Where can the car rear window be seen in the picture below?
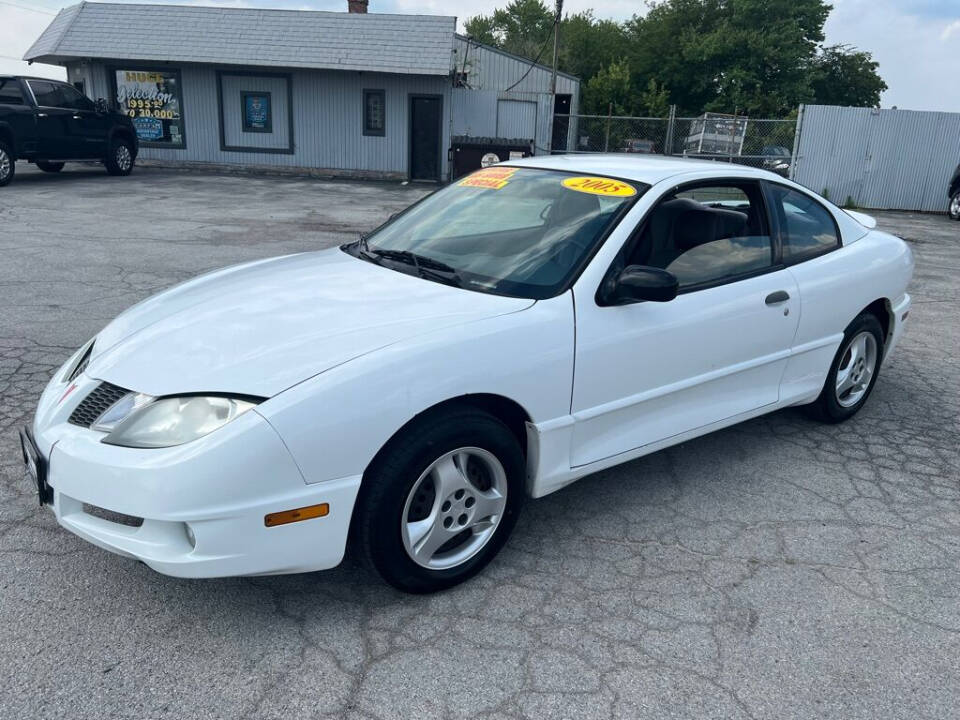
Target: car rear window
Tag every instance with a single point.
(10, 93)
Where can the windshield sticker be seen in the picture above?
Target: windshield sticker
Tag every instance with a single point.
(492, 178)
(600, 186)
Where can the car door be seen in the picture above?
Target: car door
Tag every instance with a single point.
(54, 123)
(809, 237)
(88, 128)
(18, 115)
(649, 371)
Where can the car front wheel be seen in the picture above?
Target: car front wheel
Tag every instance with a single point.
(50, 167)
(853, 372)
(440, 501)
(7, 165)
(955, 206)
(120, 159)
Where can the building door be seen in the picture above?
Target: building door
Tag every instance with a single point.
(561, 125)
(425, 135)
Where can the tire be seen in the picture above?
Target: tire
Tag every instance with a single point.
(120, 160)
(463, 525)
(853, 372)
(50, 167)
(8, 166)
(955, 206)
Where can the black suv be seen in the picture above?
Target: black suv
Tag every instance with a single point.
(954, 195)
(49, 122)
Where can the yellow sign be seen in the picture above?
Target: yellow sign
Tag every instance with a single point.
(492, 178)
(600, 186)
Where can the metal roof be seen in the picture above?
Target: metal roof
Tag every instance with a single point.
(649, 169)
(373, 42)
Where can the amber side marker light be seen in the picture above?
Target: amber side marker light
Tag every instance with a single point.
(292, 516)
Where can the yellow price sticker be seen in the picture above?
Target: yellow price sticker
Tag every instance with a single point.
(600, 186)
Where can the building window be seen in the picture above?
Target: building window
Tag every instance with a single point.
(257, 112)
(374, 112)
(153, 100)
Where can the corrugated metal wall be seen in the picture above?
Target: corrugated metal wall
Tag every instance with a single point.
(327, 118)
(491, 78)
(490, 69)
(881, 159)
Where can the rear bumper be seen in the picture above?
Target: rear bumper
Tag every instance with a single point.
(196, 510)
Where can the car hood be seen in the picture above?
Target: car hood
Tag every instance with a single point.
(261, 327)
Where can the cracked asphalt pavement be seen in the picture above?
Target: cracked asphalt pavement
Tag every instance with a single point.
(776, 569)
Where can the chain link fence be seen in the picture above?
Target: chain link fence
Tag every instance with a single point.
(762, 143)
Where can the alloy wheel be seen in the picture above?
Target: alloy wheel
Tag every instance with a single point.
(453, 509)
(123, 158)
(5, 165)
(856, 369)
(955, 206)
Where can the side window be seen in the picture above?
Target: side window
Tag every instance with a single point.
(45, 93)
(72, 99)
(706, 234)
(10, 93)
(374, 112)
(808, 229)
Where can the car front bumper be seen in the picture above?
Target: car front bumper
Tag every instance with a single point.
(196, 510)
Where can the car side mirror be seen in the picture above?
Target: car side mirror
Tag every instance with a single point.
(101, 105)
(638, 283)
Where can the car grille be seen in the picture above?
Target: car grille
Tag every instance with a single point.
(111, 516)
(95, 404)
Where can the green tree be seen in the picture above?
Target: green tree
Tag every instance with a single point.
(655, 100)
(587, 45)
(842, 75)
(754, 57)
(748, 56)
(523, 27)
(611, 86)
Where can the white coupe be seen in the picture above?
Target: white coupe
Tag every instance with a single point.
(403, 394)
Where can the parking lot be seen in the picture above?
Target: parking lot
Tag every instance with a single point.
(777, 569)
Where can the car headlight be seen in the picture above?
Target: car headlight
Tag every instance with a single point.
(140, 421)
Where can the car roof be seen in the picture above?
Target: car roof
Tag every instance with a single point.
(31, 77)
(649, 169)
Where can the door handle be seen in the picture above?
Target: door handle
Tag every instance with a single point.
(42, 115)
(78, 117)
(775, 298)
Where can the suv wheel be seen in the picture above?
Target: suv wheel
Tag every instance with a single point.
(955, 206)
(120, 159)
(50, 167)
(7, 165)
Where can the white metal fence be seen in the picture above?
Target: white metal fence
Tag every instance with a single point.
(880, 159)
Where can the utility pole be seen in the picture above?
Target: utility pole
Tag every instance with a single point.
(556, 42)
(553, 80)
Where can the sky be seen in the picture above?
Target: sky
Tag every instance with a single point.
(916, 42)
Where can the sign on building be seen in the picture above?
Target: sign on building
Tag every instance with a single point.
(152, 99)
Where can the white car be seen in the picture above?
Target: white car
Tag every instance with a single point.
(514, 331)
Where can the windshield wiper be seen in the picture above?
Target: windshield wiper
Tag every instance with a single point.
(426, 267)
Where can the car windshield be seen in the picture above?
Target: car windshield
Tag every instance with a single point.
(512, 231)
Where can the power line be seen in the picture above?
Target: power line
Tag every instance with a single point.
(532, 65)
(28, 9)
